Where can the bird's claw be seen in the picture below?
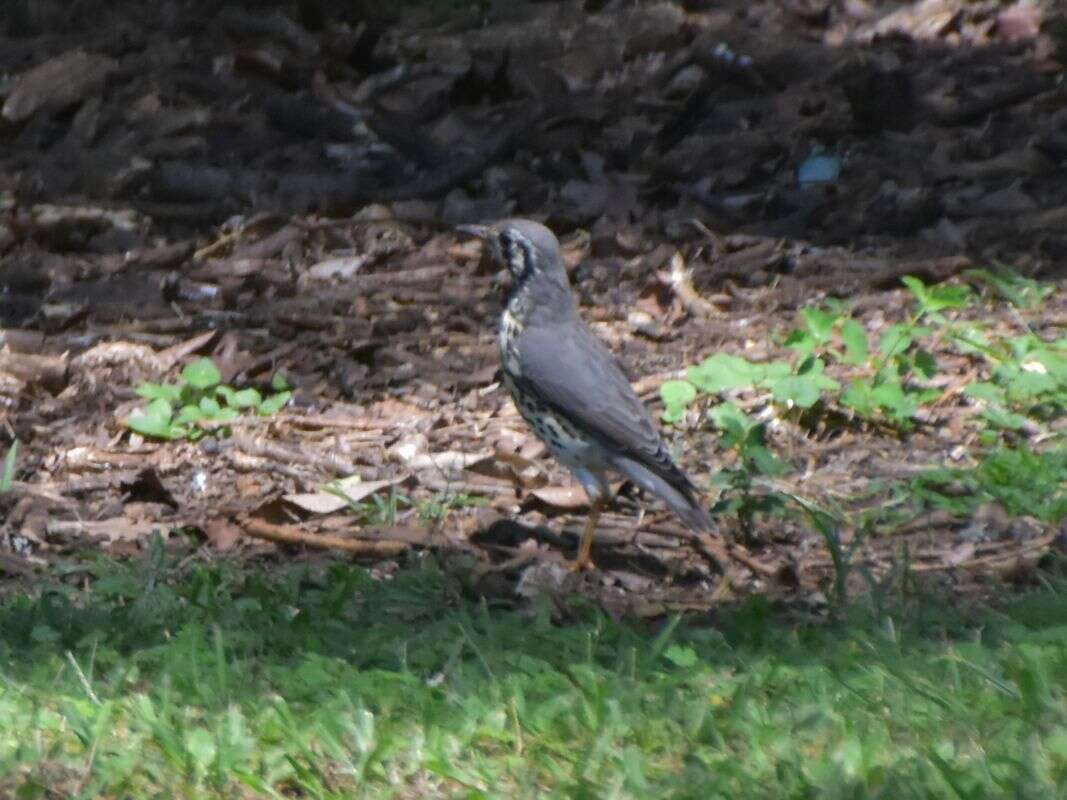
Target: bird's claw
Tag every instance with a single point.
(580, 564)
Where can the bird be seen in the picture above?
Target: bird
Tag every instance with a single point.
(569, 388)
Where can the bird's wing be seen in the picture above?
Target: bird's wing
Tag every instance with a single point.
(577, 377)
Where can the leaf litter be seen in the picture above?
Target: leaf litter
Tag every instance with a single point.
(277, 196)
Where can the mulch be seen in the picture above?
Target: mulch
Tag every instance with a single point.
(274, 185)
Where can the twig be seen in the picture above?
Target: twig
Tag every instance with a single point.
(513, 563)
(329, 462)
(288, 534)
(719, 553)
(1008, 557)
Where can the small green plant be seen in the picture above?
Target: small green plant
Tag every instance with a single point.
(795, 388)
(201, 403)
(1027, 380)
(377, 509)
(755, 461)
(1021, 292)
(886, 390)
(7, 472)
(889, 381)
(1020, 481)
(442, 504)
(748, 488)
(895, 389)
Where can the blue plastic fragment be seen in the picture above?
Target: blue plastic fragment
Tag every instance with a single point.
(819, 169)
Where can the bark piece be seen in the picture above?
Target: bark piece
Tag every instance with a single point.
(57, 83)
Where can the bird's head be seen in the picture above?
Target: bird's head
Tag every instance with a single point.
(528, 250)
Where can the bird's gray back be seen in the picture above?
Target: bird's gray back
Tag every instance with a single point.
(571, 371)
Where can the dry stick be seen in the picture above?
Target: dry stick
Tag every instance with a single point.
(288, 534)
(263, 448)
(739, 554)
(19, 565)
(513, 563)
(48, 371)
(717, 552)
(1002, 559)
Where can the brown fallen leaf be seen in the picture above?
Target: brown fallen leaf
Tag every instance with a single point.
(57, 83)
(928, 19)
(340, 268)
(222, 534)
(1020, 21)
(510, 467)
(959, 554)
(339, 494)
(172, 355)
(570, 498)
(447, 462)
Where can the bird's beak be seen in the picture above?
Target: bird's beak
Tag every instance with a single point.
(480, 231)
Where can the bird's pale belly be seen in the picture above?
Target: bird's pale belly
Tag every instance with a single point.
(563, 441)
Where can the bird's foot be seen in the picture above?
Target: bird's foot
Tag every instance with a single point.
(584, 559)
(581, 564)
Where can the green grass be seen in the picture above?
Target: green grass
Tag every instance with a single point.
(218, 682)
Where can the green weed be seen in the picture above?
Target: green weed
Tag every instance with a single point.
(438, 507)
(1022, 482)
(1026, 381)
(7, 471)
(380, 508)
(200, 403)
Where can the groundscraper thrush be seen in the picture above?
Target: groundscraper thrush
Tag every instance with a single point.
(569, 388)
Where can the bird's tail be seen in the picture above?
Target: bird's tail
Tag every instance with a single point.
(679, 495)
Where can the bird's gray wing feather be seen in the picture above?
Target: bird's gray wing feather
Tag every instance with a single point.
(578, 378)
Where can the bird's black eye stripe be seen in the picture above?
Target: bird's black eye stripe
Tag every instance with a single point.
(507, 247)
(527, 253)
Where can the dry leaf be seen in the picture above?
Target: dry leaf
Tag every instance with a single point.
(448, 462)
(222, 533)
(343, 268)
(510, 467)
(345, 491)
(570, 498)
(57, 83)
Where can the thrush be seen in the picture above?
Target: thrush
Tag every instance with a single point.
(568, 386)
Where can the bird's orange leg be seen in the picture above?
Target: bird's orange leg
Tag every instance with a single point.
(585, 546)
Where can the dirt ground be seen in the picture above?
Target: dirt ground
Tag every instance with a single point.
(274, 185)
